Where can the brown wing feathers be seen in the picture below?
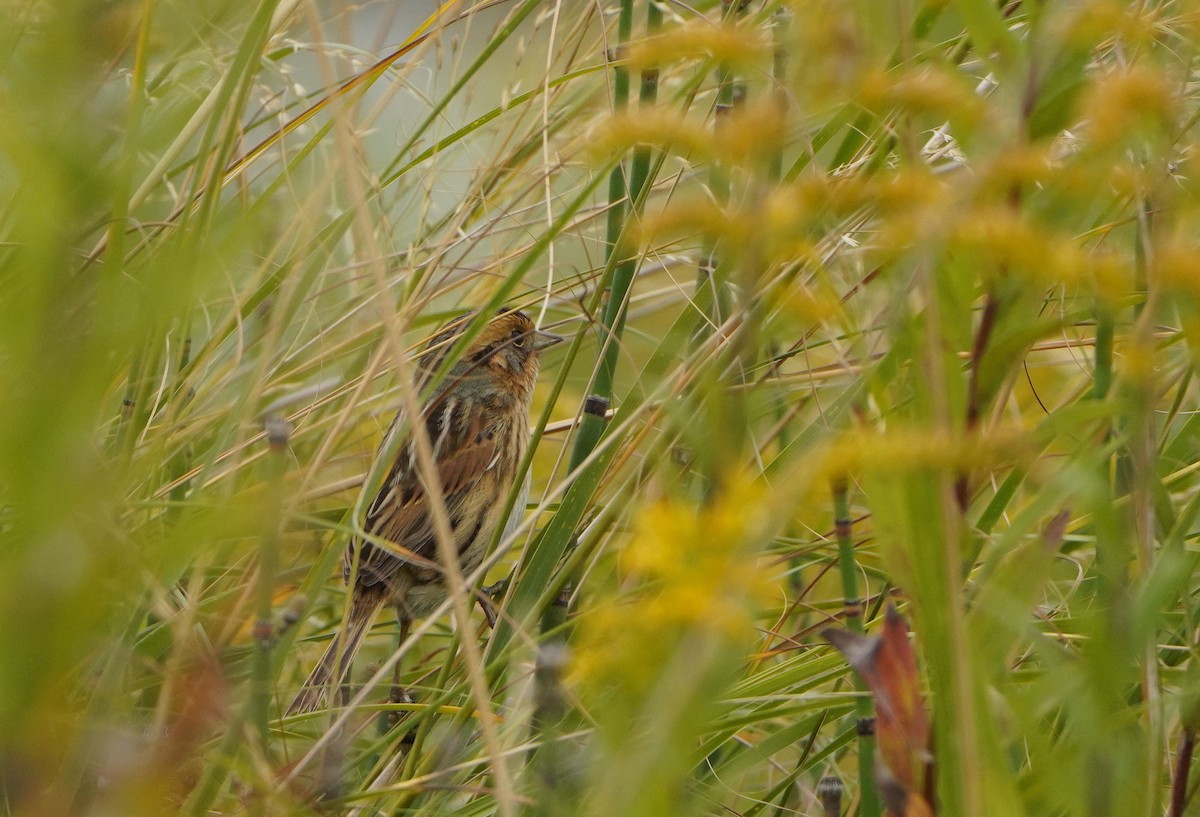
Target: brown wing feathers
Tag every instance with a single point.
(400, 513)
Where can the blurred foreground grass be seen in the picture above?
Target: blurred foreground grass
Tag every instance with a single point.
(926, 269)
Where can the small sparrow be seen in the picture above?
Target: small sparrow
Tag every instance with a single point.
(477, 419)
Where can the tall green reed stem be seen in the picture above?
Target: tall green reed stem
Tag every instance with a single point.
(712, 287)
(256, 713)
(557, 793)
(594, 412)
(268, 567)
(852, 607)
(625, 201)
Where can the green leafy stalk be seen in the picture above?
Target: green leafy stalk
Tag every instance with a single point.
(624, 206)
(592, 424)
(262, 673)
(852, 607)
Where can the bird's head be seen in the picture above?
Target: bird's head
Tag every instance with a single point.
(507, 350)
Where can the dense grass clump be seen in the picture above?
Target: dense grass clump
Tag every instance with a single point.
(869, 305)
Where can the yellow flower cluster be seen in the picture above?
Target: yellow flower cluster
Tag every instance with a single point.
(741, 48)
(686, 571)
(903, 451)
(1127, 101)
(927, 90)
(746, 135)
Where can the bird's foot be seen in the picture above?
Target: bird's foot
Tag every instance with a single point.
(487, 599)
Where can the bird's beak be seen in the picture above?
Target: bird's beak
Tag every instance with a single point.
(544, 340)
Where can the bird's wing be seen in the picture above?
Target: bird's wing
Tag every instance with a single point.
(463, 450)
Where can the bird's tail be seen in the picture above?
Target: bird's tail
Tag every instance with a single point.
(339, 654)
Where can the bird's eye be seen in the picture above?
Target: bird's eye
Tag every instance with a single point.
(518, 338)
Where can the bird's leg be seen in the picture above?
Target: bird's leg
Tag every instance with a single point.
(398, 694)
(487, 599)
